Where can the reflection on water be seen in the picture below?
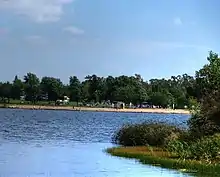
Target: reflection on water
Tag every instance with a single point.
(71, 160)
(69, 144)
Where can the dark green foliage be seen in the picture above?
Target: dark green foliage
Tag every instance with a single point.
(17, 88)
(153, 134)
(205, 149)
(75, 89)
(5, 91)
(206, 121)
(95, 89)
(186, 136)
(32, 87)
(200, 126)
(52, 87)
(159, 98)
(179, 148)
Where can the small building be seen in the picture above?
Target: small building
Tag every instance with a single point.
(145, 105)
(22, 98)
(65, 100)
(119, 104)
(59, 102)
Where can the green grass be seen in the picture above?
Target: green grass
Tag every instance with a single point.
(162, 158)
(41, 103)
(46, 103)
(50, 103)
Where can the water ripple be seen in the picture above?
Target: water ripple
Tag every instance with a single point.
(37, 143)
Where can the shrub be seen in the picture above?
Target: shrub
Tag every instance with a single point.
(186, 136)
(201, 125)
(194, 105)
(206, 148)
(205, 117)
(179, 148)
(153, 134)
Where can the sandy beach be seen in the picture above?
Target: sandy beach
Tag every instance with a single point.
(70, 108)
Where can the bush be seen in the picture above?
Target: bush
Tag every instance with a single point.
(186, 136)
(205, 117)
(153, 134)
(201, 125)
(206, 148)
(179, 148)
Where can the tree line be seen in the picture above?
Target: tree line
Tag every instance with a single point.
(178, 90)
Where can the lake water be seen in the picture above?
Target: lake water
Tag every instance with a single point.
(37, 143)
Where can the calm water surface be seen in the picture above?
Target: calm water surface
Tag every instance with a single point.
(70, 144)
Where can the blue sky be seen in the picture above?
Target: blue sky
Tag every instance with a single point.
(61, 38)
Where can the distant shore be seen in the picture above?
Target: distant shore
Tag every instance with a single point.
(70, 108)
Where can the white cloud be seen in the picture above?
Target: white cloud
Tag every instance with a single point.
(74, 30)
(37, 10)
(177, 21)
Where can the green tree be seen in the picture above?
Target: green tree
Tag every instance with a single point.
(85, 91)
(94, 89)
(110, 88)
(32, 87)
(208, 78)
(125, 94)
(5, 91)
(75, 89)
(177, 90)
(17, 88)
(52, 87)
(140, 92)
(206, 121)
(159, 99)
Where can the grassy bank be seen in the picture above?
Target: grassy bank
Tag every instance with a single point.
(39, 103)
(162, 158)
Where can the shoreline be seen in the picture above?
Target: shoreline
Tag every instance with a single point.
(71, 108)
(158, 157)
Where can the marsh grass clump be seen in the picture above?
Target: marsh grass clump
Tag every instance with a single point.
(162, 158)
(206, 149)
(152, 134)
(180, 149)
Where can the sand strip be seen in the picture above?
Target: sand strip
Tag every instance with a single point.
(69, 108)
